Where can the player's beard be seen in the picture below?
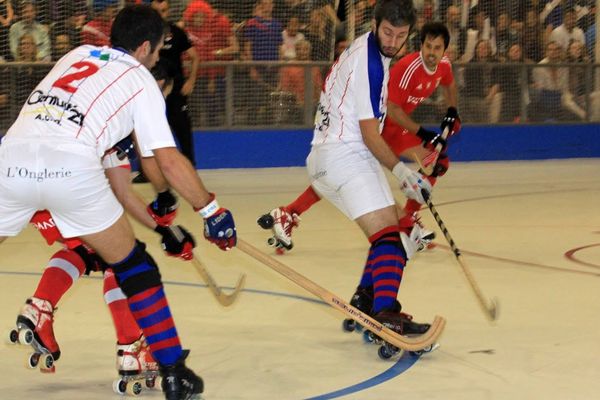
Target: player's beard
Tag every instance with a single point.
(389, 52)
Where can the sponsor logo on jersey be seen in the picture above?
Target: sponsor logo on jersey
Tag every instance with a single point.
(415, 100)
(39, 176)
(72, 113)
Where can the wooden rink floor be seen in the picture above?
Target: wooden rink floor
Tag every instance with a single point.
(529, 231)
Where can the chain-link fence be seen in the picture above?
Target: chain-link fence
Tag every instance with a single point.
(262, 62)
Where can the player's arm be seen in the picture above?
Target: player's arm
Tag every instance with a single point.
(450, 93)
(119, 179)
(411, 182)
(152, 172)
(397, 114)
(188, 85)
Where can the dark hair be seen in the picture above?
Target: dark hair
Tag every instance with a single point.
(435, 29)
(396, 12)
(135, 24)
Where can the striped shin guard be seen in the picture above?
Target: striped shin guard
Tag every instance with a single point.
(388, 262)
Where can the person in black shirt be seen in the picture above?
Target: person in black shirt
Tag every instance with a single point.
(176, 44)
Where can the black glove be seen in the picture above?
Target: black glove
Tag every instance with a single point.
(176, 241)
(452, 121)
(164, 208)
(432, 138)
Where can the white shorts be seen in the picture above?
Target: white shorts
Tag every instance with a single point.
(350, 178)
(65, 178)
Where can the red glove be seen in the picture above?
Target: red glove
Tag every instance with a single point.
(176, 241)
(452, 121)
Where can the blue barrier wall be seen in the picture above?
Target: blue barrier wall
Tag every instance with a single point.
(288, 148)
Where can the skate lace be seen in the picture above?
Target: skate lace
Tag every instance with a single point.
(417, 219)
(287, 220)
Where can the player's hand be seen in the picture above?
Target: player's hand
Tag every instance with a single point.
(431, 138)
(163, 209)
(412, 183)
(176, 241)
(219, 227)
(452, 121)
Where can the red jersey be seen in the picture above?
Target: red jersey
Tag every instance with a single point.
(411, 83)
(96, 32)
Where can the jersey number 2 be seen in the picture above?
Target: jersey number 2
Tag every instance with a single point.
(85, 69)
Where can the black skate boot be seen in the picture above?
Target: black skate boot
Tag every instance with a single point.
(179, 382)
(363, 300)
(400, 322)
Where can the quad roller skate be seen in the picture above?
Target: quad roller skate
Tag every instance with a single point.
(179, 382)
(280, 221)
(400, 323)
(363, 300)
(137, 369)
(422, 236)
(34, 328)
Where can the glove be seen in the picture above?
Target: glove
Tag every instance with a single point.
(431, 138)
(176, 241)
(411, 182)
(451, 121)
(219, 227)
(441, 166)
(163, 210)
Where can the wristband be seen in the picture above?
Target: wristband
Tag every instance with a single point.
(210, 208)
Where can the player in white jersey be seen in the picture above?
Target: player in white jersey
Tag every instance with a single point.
(345, 162)
(50, 159)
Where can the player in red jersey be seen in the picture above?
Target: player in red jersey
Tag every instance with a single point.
(412, 79)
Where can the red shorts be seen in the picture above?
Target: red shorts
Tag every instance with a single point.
(399, 139)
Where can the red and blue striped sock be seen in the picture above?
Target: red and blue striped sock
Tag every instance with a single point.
(387, 265)
(151, 311)
(367, 278)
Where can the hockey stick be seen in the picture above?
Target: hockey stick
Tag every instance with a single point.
(428, 163)
(490, 308)
(224, 299)
(414, 343)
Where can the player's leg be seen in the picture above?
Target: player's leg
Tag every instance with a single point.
(62, 270)
(361, 191)
(181, 124)
(133, 354)
(139, 278)
(283, 219)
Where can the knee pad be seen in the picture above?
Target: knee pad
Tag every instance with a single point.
(138, 272)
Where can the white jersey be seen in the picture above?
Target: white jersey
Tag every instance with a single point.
(95, 96)
(355, 90)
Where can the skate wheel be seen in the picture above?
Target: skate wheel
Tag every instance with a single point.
(265, 221)
(134, 388)
(33, 360)
(272, 242)
(385, 353)
(46, 363)
(349, 325)
(119, 386)
(26, 336)
(13, 336)
(368, 337)
(150, 383)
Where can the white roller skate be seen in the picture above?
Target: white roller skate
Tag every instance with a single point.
(281, 222)
(422, 236)
(136, 368)
(34, 328)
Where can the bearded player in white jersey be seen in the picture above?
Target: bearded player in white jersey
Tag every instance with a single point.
(348, 152)
(50, 159)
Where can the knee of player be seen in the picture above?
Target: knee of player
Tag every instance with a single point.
(137, 272)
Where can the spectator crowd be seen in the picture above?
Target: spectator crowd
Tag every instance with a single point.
(491, 40)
